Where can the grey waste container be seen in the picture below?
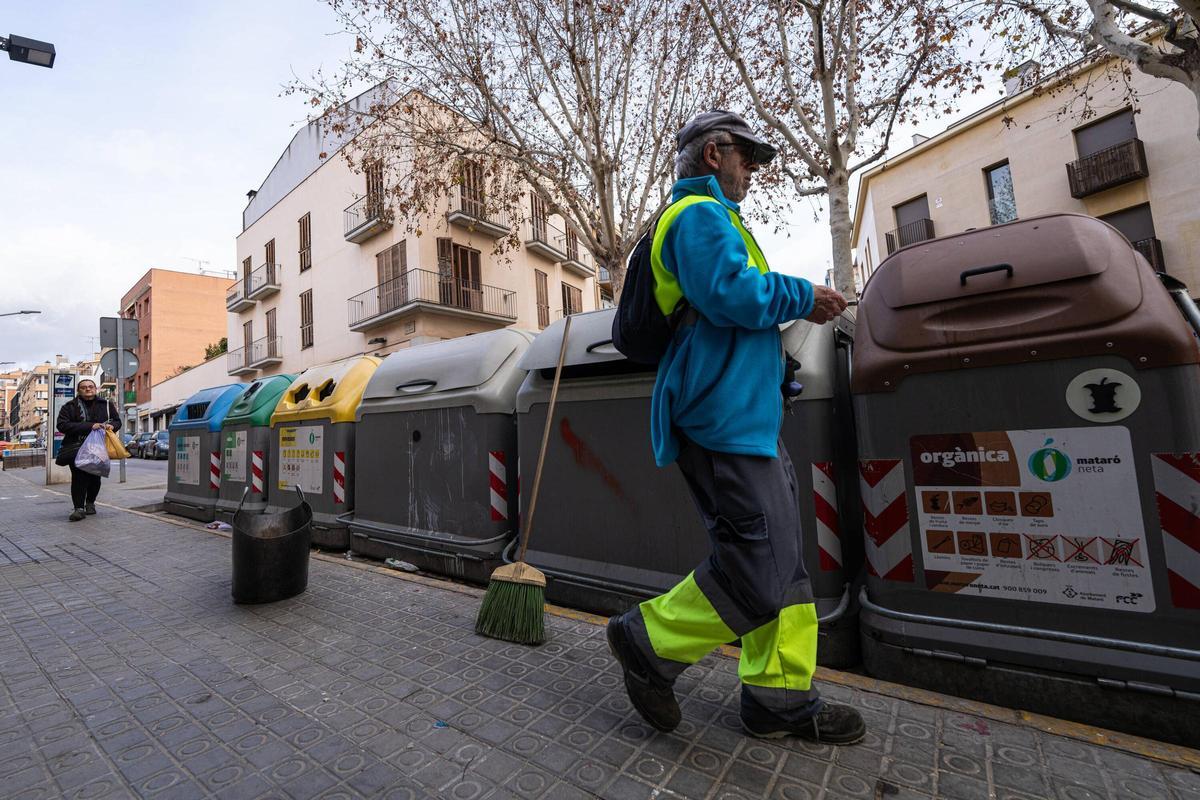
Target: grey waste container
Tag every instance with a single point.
(194, 458)
(437, 454)
(246, 448)
(1028, 408)
(612, 528)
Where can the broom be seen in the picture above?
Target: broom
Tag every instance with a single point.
(514, 607)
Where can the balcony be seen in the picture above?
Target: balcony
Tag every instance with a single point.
(604, 276)
(1151, 250)
(913, 232)
(552, 242)
(467, 211)
(265, 352)
(1107, 168)
(364, 218)
(422, 290)
(236, 364)
(235, 298)
(263, 282)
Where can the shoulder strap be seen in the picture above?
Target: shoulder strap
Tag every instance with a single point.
(83, 412)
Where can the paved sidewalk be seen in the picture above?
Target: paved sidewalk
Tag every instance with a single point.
(125, 670)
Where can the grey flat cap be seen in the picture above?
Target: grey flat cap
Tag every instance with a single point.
(732, 124)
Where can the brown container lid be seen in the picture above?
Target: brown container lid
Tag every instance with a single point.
(1058, 286)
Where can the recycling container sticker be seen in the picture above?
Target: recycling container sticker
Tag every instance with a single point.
(1051, 516)
(234, 460)
(300, 457)
(187, 460)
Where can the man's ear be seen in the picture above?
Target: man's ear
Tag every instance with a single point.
(712, 156)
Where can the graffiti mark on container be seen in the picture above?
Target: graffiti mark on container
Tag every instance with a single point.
(584, 457)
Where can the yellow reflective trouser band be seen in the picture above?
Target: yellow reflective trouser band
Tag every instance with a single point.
(684, 627)
(682, 624)
(782, 654)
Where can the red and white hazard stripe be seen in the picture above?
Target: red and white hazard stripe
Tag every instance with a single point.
(214, 470)
(1177, 489)
(498, 485)
(829, 542)
(256, 471)
(339, 476)
(885, 518)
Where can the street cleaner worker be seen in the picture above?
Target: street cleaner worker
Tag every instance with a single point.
(717, 411)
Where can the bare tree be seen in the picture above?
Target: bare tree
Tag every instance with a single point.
(833, 78)
(576, 101)
(1157, 37)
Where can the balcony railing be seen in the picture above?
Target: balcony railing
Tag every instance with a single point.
(551, 241)
(364, 218)
(235, 297)
(1151, 250)
(468, 210)
(266, 351)
(236, 363)
(604, 276)
(911, 233)
(262, 282)
(419, 287)
(1107, 168)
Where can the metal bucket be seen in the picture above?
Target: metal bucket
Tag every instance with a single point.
(270, 553)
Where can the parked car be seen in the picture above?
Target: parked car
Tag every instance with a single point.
(139, 442)
(159, 447)
(126, 438)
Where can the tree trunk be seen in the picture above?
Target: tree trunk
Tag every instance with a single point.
(840, 228)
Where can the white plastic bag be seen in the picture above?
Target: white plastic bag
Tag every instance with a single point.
(93, 454)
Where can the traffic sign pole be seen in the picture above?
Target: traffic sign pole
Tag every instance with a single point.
(121, 384)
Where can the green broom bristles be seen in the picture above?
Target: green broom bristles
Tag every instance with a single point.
(513, 610)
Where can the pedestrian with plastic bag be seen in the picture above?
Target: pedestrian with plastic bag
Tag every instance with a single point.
(86, 423)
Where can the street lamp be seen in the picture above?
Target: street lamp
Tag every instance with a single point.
(15, 313)
(30, 51)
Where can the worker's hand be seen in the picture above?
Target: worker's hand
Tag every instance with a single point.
(96, 426)
(827, 305)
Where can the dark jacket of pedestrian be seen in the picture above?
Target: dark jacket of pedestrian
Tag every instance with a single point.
(75, 422)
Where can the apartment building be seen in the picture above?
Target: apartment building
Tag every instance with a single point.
(179, 314)
(325, 272)
(1130, 162)
(9, 384)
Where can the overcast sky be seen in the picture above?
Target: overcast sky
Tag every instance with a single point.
(137, 148)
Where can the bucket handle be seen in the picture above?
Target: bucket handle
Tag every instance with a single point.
(300, 492)
(245, 492)
(962, 279)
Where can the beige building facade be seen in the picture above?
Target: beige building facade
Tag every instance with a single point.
(179, 314)
(1131, 162)
(326, 273)
(9, 384)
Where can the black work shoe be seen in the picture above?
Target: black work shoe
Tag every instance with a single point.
(833, 724)
(653, 700)
(89, 509)
(77, 515)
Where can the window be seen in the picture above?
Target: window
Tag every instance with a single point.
(305, 242)
(462, 288)
(248, 334)
(572, 245)
(306, 319)
(272, 336)
(1136, 222)
(572, 299)
(246, 269)
(374, 175)
(269, 260)
(390, 266)
(543, 298)
(1105, 133)
(1002, 203)
(537, 218)
(472, 189)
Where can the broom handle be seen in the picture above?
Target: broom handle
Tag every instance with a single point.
(527, 523)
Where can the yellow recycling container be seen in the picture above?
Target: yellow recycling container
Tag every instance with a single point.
(312, 444)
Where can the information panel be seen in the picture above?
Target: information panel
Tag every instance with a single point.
(233, 460)
(1052, 516)
(187, 460)
(301, 453)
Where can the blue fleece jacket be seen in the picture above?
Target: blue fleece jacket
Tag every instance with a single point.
(718, 382)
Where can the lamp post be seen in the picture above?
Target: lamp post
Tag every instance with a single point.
(16, 313)
(28, 51)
